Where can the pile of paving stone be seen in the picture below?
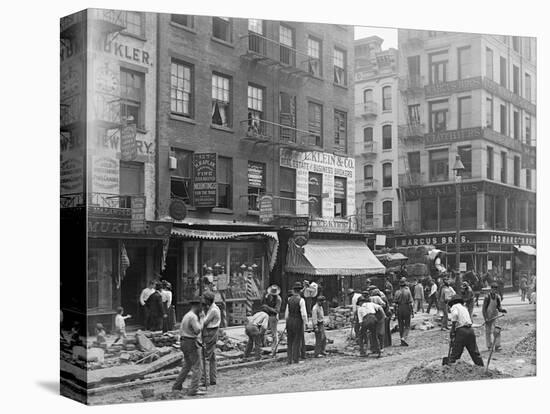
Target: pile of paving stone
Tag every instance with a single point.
(528, 345)
(459, 371)
(339, 317)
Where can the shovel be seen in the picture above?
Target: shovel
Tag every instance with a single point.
(488, 320)
(497, 331)
(445, 360)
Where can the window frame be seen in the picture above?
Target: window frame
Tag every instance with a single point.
(460, 103)
(190, 20)
(191, 112)
(228, 29)
(490, 172)
(433, 114)
(387, 100)
(318, 136)
(386, 213)
(503, 167)
(342, 201)
(141, 34)
(312, 40)
(489, 115)
(387, 180)
(229, 111)
(434, 67)
(228, 185)
(339, 130)
(127, 101)
(343, 68)
(186, 181)
(433, 175)
(460, 57)
(489, 74)
(387, 143)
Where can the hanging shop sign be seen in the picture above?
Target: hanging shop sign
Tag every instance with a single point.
(204, 179)
(256, 174)
(330, 225)
(138, 214)
(380, 240)
(301, 230)
(128, 143)
(266, 209)
(177, 209)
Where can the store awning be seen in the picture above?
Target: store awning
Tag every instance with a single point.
(528, 250)
(333, 257)
(391, 257)
(270, 236)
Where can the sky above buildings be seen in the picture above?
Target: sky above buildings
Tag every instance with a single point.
(388, 34)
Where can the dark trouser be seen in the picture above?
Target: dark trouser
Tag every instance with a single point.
(295, 334)
(254, 340)
(146, 321)
(155, 322)
(465, 338)
(445, 318)
(470, 307)
(523, 294)
(419, 305)
(387, 335)
(368, 330)
(381, 332)
(210, 337)
(404, 322)
(191, 362)
(303, 345)
(309, 305)
(320, 339)
(432, 301)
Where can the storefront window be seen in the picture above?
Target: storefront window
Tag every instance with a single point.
(100, 279)
(468, 209)
(429, 214)
(340, 197)
(447, 209)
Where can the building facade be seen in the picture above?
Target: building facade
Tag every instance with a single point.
(471, 96)
(253, 119)
(376, 145)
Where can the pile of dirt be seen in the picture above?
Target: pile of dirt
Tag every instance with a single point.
(459, 371)
(528, 345)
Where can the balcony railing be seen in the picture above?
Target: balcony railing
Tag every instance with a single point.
(260, 130)
(412, 179)
(106, 111)
(262, 49)
(369, 223)
(72, 200)
(367, 109)
(411, 131)
(369, 148)
(367, 185)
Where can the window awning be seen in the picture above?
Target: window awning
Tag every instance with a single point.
(391, 257)
(528, 250)
(333, 257)
(271, 236)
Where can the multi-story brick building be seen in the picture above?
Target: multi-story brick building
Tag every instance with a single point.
(472, 96)
(248, 109)
(376, 118)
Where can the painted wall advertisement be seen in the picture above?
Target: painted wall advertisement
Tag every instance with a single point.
(204, 182)
(105, 175)
(266, 209)
(138, 214)
(72, 174)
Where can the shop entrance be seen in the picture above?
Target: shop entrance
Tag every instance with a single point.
(133, 283)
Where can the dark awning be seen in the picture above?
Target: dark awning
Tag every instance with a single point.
(333, 257)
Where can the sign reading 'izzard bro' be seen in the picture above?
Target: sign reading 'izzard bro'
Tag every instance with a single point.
(204, 179)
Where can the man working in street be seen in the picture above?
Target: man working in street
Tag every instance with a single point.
(310, 293)
(432, 296)
(210, 335)
(354, 296)
(190, 344)
(272, 301)
(145, 293)
(296, 321)
(255, 329)
(318, 322)
(462, 333)
(491, 308)
(379, 298)
(419, 296)
(468, 297)
(369, 314)
(447, 292)
(404, 303)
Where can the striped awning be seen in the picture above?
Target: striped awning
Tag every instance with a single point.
(333, 257)
(270, 236)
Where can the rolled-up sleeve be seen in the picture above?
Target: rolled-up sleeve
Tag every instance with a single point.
(303, 310)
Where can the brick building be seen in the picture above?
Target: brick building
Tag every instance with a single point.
(472, 96)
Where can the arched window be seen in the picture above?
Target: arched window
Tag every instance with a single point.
(387, 219)
(386, 137)
(386, 98)
(367, 95)
(368, 172)
(367, 134)
(386, 174)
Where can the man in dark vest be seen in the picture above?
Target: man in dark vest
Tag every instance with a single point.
(272, 302)
(404, 303)
(296, 321)
(156, 311)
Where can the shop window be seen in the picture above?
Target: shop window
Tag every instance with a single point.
(447, 209)
(315, 123)
(100, 279)
(438, 67)
(225, 179)
(221, 28)
(387, 214)
(428, 214)
(181, 178)
(386, 98)
(315, 186)
(468, 211)
(130, 182)
(464, 62)
(386, 137)
(464, 112)
(490, 163)
(134, 24)
(438, 115)
(256, 184)
(287, 191)
(340, 67)
(340, 130)
(387, 174)
(465, 153)
(489, 211)
(439, 165)
(500, 213)
(256, 110)
(131, 97)
(221, 103)
(184, 20)
(314, 49)
(181, 88)
(287, 116)
(340, 191)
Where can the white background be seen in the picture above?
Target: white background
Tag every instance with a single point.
(30, 217)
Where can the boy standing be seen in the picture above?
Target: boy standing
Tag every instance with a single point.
(120, 324)
(318, 321)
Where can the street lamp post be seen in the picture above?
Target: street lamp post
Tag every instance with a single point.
(458, 168)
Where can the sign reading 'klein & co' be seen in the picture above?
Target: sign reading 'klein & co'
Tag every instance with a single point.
(204, 179)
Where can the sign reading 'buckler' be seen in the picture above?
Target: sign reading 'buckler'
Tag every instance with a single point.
(204, 179)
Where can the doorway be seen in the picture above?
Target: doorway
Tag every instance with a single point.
(133, 283)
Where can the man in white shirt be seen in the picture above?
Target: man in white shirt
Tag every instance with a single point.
(145, 293)
(432, 297)
(254, 329)
(310, 292)
(354, 295)
(318, 322)
(296, 322)
(210, 336)
(462, 334)
(369, 313)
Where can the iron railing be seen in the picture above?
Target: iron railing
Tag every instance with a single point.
(263, 130)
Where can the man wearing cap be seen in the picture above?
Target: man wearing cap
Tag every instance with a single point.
(404, 303)
(369, 314)
(296, 321)
(255, 329)
(318, 322)
(491, 308)
(272, 301)
(419, 296)
(190, 344)
(462, 334)
(210, 335)
(447, 292)
(468, 297)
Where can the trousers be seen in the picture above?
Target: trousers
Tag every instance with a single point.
(465, 338)
(254, 340)
(404, 322)
(492, 335)
(192, 362)
(432, 301)
(210, 337)
(419, 305)
(368, 330)
(272, 325)
(295, 334)
(320, 339)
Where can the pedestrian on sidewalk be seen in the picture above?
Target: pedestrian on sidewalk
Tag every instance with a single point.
(191, 345)
(120, 324)
(318, 322)
(491, 308)
(296, 322)
(211, 325)
(369, 314)
(432, 296)
(255, 329)
(272, 300)
(462, 335)
(447, 292)
(156, 311)
(419, 296)
(404, 303)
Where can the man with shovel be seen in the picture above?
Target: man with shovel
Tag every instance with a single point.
(491, 308)
(462, 333)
